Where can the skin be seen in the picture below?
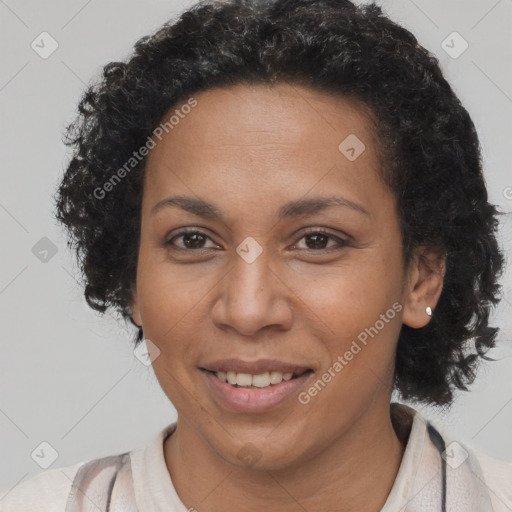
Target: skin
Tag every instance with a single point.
(249, 150)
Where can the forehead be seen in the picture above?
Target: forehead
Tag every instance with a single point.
(255, 138)
(257, 113)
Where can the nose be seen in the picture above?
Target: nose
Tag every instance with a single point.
(252, 297)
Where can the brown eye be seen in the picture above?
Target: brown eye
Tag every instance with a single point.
(192, 240)
(319, 239)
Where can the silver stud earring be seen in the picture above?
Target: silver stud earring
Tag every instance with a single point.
(428, 310)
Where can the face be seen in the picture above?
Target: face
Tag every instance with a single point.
(269, 270)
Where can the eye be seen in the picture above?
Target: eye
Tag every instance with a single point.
(192, 239)
(317, 239)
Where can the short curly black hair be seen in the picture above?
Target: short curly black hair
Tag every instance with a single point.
(431, 153)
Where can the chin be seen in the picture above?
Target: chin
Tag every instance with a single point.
(261, 454)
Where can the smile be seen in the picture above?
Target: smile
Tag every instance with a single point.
(247, 393)
(262, 380)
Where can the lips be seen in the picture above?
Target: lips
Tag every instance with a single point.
(253, 399)
(254, 367)
(256, 386)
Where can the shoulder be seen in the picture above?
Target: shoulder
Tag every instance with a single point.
(43, 492)
(473, 476)
(53, 490)
(498, 479)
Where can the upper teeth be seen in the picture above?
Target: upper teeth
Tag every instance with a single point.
(261, 380)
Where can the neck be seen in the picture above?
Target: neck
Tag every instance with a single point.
(356, 472)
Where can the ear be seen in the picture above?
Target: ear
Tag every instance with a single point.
(135, 308)
(424, 286)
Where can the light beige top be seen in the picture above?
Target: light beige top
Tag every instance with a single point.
(475, 482)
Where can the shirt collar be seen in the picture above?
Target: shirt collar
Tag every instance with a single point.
(417, 484)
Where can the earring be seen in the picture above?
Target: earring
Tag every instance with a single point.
(428, 310)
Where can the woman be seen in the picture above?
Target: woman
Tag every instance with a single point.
(286, 197)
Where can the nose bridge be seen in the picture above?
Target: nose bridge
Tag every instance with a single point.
(252, 296)
(251, 277)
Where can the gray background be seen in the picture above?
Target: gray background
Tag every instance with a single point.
(67, 375)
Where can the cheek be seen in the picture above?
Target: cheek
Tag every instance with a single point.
(360, 309)
(169, 306)
(361, 327)
(170, 294)
(360, 344)
(351, 296)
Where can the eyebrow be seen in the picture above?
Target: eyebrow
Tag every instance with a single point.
(292, 209)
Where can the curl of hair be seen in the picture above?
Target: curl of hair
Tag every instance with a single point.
(429, 145)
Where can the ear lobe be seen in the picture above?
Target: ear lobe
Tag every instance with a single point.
(426, 278)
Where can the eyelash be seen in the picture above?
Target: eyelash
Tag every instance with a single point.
(312, 231)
